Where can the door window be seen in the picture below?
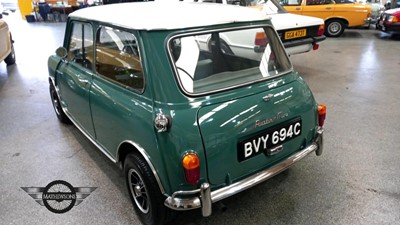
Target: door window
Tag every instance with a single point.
(290, 2)
(118, 59)
(80, 49)
(318, 2)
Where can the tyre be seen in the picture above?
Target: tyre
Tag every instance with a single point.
(10, 59)
(57, 106)
(334, 28)
(144, 192)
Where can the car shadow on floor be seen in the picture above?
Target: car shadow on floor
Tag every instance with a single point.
(388, 36)
(351, 34)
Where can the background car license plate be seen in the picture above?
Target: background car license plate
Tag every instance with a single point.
(268, 139)
(295, 34)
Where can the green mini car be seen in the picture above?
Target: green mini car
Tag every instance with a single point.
(190, 119)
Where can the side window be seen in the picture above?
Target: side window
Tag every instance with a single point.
(318, 2)
(80, 48)
(290, 2)
(117, 57)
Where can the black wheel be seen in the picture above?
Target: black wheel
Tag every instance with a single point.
(144, 192)
(334, 28)
(57, 106)
(10, 59)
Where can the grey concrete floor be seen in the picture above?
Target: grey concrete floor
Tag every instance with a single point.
(355, 181)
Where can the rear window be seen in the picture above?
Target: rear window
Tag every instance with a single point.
(221, 60)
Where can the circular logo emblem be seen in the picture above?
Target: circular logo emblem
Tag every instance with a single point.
(59, 196)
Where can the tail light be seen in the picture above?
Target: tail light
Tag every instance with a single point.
(321, 30)
(321, 114)
(393, 19)
(191, 166)
(261, 39)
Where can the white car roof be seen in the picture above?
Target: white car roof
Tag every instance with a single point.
(168, 15)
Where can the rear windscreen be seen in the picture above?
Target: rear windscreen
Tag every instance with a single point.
(223, 59)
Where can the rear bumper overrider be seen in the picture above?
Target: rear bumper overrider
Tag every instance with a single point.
(205, 197)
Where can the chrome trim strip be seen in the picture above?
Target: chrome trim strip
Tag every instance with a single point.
(184, 203)
(146, 157)
(320, 141)
(206, 202)
(197, 202)
(367, 20)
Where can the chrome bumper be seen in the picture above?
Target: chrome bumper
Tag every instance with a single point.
(206, 197)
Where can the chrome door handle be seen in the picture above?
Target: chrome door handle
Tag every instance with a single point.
(328, 8)
(297, 8)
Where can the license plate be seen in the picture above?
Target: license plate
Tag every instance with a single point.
(295, 34)
(267, 140)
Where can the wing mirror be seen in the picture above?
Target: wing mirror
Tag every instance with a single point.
(61, 52)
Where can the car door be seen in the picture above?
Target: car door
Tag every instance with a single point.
(293, 6)
(120, 110)
(74, 75)
(318, 8)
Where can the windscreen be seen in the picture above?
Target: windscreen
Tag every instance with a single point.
(220, 60)
(268, 6)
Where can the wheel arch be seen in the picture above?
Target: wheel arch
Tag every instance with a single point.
(344, 20)
(127, 147)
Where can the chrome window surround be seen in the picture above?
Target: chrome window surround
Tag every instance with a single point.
(206, 197)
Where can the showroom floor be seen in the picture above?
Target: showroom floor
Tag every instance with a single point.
(355, 181)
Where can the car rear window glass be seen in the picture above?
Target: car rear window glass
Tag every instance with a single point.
(220, 60)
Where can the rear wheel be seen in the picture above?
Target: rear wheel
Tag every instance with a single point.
(334, 28)
(10, 59)
(144, 191)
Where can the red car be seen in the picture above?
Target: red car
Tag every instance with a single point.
(389, 21)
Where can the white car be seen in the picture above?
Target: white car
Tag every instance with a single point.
(6, 44)
(299, 34)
